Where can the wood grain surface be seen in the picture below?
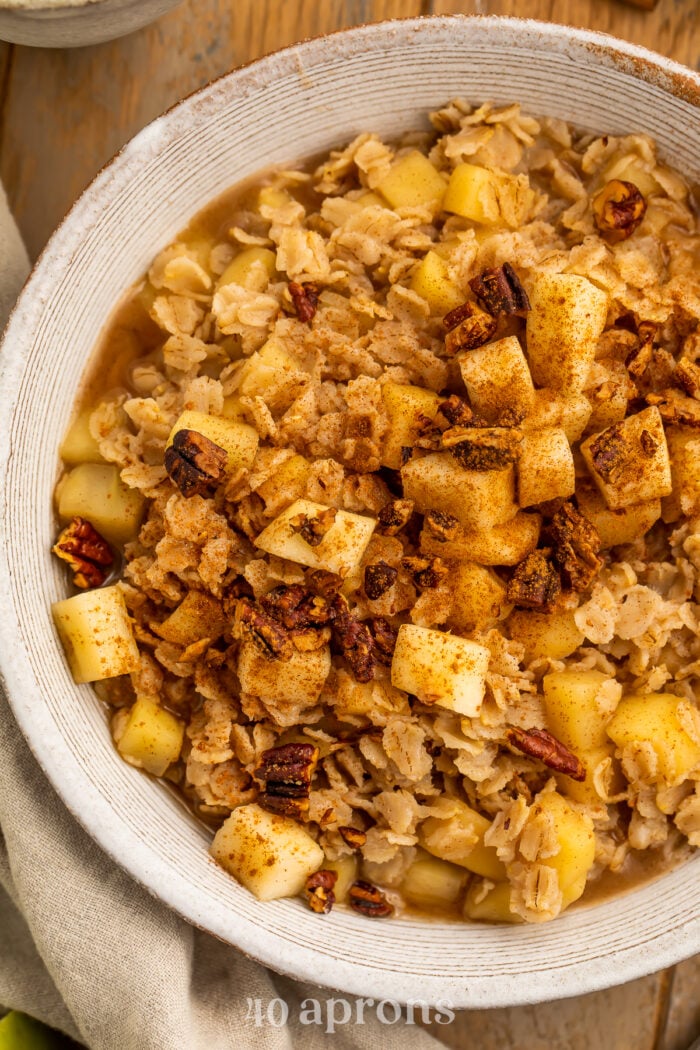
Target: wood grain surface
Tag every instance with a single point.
(63, 114)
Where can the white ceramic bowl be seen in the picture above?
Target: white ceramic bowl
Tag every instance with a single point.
(75, 23)
(299, 102)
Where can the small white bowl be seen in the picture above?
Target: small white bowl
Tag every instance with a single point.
(291, 105)
(75, 23)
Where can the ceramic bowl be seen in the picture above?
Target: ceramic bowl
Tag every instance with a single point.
(75, 23)
(297, 103)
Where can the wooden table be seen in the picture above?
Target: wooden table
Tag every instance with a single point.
(65, 113)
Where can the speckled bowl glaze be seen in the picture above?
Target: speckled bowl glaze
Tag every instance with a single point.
(293, 104)
(75, 23)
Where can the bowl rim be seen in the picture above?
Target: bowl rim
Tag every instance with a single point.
(74, 786)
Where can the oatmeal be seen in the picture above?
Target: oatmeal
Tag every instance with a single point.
(385, 516)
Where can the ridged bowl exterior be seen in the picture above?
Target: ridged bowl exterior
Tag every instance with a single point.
(293, 104)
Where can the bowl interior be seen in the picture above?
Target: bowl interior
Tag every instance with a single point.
(300, 102)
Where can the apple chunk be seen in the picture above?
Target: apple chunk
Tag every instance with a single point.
(479, 499)
(440, 668)
(271, 855)
(565, 321)
(340, 549)
(96, 634)
(238, 440)
(152, 738)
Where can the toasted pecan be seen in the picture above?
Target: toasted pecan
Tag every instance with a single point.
(194, 463)
(618, 209)
(323, 583)
(441, 526)
(267, 633)
(319, 890)
(395, 515)
(295, 606)
(354, 640)
(86, 551)
(641, 356)
(305, 300)
(483, 448)
(369, 900)
(384, 637)
(313, 527)
(353, 836)
(687, 376)
(468, 327)
(378, 578)
(285, 773)
(535, 584)
(458, 412)
(575, 543)
(610, 452)
(675, 407)
(499, 290)
(425, 572)
(541, 744)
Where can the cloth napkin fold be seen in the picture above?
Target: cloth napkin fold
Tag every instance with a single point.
(87, 950)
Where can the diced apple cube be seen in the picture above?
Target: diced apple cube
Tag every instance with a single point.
(576, 838)
(566, 319)
(684, 454)
(79, 446)
(490, 904)
(616, 527)
(413, 182)
(478, 596)
(340, 550)
(655, 719)
(550, 409)
(493, 198)
(584, 791)
(431, 280)
(545, 635)
(95, 491)
(432, 883)
(497, 377)
(152, 737)
(478, 499)
(501, 545)
(286, 484)
(253, 268)
(629, 461)
(404, 406)
(459, 839)
(298, 680)
(95, 631)
(198, 616)
(271, 855)
(578, 706)
(440, 668)
(239, 441)
(545, 467)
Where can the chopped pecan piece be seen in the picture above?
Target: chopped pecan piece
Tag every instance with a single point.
(483, 448)
(285, 773)
(576, 544)
(88, 554)
(649, 444)
(440, 526)
(295, 607)
(312, 528)
(305, 300)
(194, 463)
(675, 407)
(426, 572)
(457, 412)
(639, 360)
(395, 515)
(687, 375)
(384, 637)
(353, 638)
(267, 633)
(427, 433)
(618, 209)
(540, 744)
(535, 584)
(323, 583)
(319, 890)
(353, 837)
(378, 579)
(499, 290)
(467, 328)
(610, 452)
(368, 900)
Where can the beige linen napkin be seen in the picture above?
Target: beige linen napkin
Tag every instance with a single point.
(88, 951)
